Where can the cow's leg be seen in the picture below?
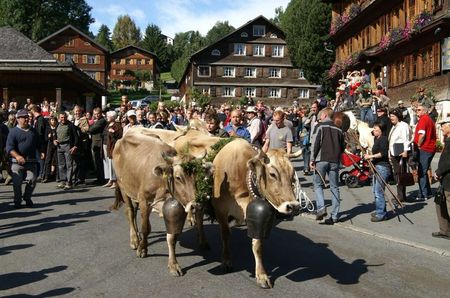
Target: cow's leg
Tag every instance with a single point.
(146, 228)
(203, 244)
(130, 211)
(173, 266)
(225, 233)
(260, 273)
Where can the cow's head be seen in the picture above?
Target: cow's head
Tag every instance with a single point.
(182, 180)
(274, 178)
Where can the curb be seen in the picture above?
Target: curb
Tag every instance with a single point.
(439, 251)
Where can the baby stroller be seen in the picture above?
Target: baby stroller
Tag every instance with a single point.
(359, 175)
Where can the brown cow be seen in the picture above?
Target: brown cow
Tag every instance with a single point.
(144, 166)
(274, 178)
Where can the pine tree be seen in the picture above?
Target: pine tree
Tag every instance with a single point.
(104, 37)
(306, 24)
(154, 42)
(125, 33)
(220, 30)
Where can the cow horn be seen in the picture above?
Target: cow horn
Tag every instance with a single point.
(181, 135)
(168, 158)
(296, 154)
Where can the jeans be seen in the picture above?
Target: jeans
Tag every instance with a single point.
(424, 164)
(378, 189)
(306, 157)
(66, 164)
(366, 115)
(27, 172)
(332, 169)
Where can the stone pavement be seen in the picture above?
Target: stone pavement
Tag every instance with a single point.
(413, 226)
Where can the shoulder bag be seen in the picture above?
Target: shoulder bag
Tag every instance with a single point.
(405, 178)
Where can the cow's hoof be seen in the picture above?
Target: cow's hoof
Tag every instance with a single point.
(141, 253)
(175, 270)
(264, 281)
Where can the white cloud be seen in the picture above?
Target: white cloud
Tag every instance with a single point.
(181, 15)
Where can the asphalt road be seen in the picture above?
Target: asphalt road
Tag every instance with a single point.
(70, 244)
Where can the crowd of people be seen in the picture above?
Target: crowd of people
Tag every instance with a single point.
(40, 144)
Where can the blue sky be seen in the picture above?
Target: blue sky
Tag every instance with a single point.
(174, 16)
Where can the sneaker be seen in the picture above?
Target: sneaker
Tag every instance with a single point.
(61, 185)
(440, 235)
(321, 214)
(68, 186)
(329, 221)
(377, 219)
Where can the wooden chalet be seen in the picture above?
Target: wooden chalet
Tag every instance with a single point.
(405, 43)
(127, 61)
(28, 71)
(252, 61)
(70, 44)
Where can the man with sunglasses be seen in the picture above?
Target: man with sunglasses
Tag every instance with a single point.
(22, 144)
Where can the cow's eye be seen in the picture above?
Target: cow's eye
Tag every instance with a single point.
(272, 175)
(178, 178)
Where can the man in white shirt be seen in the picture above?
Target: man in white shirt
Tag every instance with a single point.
(254, 126)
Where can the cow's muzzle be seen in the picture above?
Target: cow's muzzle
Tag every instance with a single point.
(290, 208)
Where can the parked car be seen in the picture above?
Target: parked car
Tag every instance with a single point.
(143, 102)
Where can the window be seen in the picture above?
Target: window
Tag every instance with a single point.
(91, 74)
(250, 72)
(69, 57)
(90, 59)
(205, 91)
(250, 91)
(303, 93)
(70, 43)
(277, 51)
(87, 43)
(138, 61)
(274, 92)
(258, 50)
(117, 61)
(301, 74)
(239, 49)
(204, 71)
(274, 73)
(215, 52)
(228, 91)
(273, 35)
(259, 30)
(127, 61)
(244, 34)
(228, 71)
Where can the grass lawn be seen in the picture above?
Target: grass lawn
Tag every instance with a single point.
(166, 76)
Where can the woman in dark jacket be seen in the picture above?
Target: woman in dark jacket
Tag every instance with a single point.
(50, 156)
(112, 133)
(443, 174)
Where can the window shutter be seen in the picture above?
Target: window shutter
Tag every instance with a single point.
(97, 76)
(436, 57)
(283, 92)
(249, 50)
(240, 72)
(259, 72)
(213, 72)
(55, 56)
(62, 57)
(219, 71)
(294, 92)
(259, 92)
(285, 51)
(218, 91)
(75, 58)
(84, 59)
(265, 72)
(267, 50)
(283, 72)
(212, 91)
(238, 92)
(97, 59)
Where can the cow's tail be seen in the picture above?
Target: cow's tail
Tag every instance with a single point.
(119, 199)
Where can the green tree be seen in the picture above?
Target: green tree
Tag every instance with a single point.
(278, 15)
(178, 67)
(154, 42)
(104, 37)
(39, 18)
(125, 32)
(306, 24)
(218, 31)
(184, 45)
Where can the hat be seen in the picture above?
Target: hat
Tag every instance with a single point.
(445, 120)
(400, 102)
(131, 113)
(251, 109)
(398, 113)
(22, 113)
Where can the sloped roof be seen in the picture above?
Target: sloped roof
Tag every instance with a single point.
(72, 28)
(16, 46)
(133, 47)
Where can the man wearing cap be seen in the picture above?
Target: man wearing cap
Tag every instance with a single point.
(405, 113)
(22, 144)
(425, 142)
(132, 121)
(254, 126)
(443, 174)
